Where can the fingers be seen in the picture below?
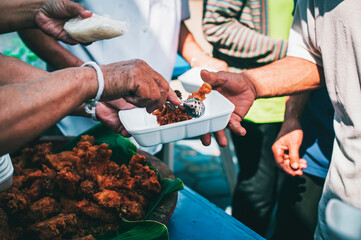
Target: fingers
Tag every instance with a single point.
(75, 9)
(206, 139)
(235, 125)
(294, 156)
(221, 138)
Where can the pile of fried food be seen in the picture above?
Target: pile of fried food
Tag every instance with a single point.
(167, 114)
(78, 194)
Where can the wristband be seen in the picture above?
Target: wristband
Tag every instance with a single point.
(92, 103)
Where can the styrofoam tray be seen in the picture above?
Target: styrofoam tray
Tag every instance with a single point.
(6, 174)
(191, 80)
(147, 132)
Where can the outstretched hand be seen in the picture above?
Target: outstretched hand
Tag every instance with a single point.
(52, 16)
(240, 91)
(286, 148)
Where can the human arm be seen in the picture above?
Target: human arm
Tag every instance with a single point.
(57, 56)
(238, 38)
(290, 75)
(287, 145)
(48, 49)
(28, 108)
(194, 54)
(48, 15)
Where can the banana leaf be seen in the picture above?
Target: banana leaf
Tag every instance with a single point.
(122, 152)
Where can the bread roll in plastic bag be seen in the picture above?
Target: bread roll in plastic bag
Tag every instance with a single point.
(94, 28)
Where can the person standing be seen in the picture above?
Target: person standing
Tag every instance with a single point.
(249, 34)
(307, 131)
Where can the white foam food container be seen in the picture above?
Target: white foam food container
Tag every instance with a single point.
(147, 132)
(191, 80)
(6, 172)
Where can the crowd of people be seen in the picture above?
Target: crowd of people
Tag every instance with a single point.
(312, 135)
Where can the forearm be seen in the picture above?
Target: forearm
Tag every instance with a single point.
(188, 47)
(290, 75)
(14, 70)
(18, 14)
(295, 105)
(30, 108)
(48, 49)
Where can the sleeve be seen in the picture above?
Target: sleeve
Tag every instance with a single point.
(302, 37)
(185, 13)
(226, 33)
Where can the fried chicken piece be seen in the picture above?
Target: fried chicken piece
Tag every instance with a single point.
(113, 183)
(61, 160)
(14, 201)
(88, 188)
(53, 228)
(108, 198)
(202, 91)
(87, 237)
(132, 210)
(43, 209)
(87, 138)
(92, 159)
(68, 181)
(35, 190)
(89, 226)
(18, 181)
(95, 211)
(33, 156)
(49, 181)
(144, 176)
(68, 205)
(6, 232)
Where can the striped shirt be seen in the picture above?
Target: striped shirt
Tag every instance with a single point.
(240, 29)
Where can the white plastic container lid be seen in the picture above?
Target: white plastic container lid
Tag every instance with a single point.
(6, 172)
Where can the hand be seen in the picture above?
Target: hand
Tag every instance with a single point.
(286, 148)
(52, 16)
(209, 62)
(138, 84)
(107, 113)
(240, 91)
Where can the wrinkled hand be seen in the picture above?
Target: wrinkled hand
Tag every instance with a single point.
(138, 84)
(208, 62)
(107, 113)
(52, 16)
(286, 148)
(240, 91)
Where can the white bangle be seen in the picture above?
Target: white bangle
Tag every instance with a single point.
(92, 103)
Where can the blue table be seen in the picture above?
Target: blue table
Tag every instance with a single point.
(196, 218)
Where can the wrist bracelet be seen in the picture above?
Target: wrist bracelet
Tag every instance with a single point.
(92, 103)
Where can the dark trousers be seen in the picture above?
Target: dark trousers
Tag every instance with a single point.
(259, 180)
(298, 207)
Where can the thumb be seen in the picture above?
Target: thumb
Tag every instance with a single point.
(173, 98)
(75, 9)
(294, 157)
(212, 78)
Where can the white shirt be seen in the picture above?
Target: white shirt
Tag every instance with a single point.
(328, 33)
(153, 33)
